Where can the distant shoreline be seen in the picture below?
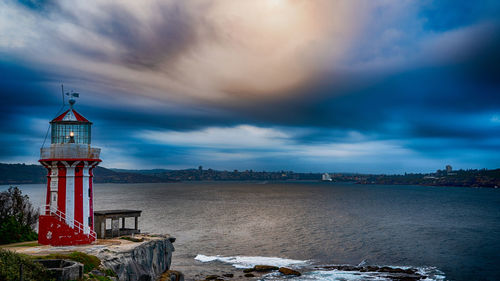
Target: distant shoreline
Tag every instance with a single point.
(272, 181)
(13, 174)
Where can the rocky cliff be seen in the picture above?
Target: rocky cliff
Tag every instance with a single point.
(133, 261)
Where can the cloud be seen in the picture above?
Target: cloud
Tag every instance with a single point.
(203, 50)
(227, 53)
(242, 136)
(271, 141)
(327, 81)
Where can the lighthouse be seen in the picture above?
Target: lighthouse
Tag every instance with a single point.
(67, 217)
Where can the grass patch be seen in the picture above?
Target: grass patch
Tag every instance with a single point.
(129, 238)
(89, 262)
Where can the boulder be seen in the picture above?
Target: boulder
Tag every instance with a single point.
(372, 268)
(229, 275)
(97, 272)
(288, 271)
(172, 275)
(405, 277)
(247, 270)
(386, 269)
(211, 277)
(265, 268)
(249, 275)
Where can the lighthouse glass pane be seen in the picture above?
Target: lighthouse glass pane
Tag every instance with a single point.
(61, 133)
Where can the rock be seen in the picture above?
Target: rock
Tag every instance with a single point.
(247, 270)
(405, 277)
(229, 275)
(372, 268)
(397, 270)
(410, 271)
(249, 275)
(265, 268)
(172, 275)
(97, 273)
(288, 271)
(211, 277)
(137, 261)
(385, 269)
(343, 267)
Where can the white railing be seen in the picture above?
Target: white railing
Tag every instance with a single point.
(69, 151)
(62, 217)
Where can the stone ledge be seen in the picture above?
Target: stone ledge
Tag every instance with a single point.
(145, 260)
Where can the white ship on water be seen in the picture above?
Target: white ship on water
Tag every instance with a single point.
(326, 177)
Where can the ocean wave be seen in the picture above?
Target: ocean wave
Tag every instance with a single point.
(323, 273)
(431, 273)
(249, 261)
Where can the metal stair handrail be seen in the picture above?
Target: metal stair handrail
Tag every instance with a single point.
(62, 216)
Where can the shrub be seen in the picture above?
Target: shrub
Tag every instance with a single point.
(10, 263)
(89, 262)
(17, 217)
(109, 272)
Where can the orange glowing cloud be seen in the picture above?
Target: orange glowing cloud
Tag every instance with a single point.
(201, 50)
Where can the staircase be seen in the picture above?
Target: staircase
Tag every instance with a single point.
(53, 229)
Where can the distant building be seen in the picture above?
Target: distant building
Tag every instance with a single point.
(326, 177)
(449, 169)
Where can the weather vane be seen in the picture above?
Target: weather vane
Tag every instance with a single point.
(72, 97)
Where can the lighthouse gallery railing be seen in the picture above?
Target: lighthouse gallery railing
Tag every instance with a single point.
(62, 217)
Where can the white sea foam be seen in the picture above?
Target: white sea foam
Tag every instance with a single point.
(334, 275)
(246, 261)
(432, 273)
(338, 275)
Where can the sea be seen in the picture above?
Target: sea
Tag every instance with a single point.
(444, 233)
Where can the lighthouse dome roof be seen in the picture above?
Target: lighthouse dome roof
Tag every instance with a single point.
(70, 115)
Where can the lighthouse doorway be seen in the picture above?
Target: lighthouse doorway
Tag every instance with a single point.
(53, 199)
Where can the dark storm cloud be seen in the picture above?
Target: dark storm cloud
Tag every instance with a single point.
(38, 5)
(22, 85)
(148, 45)
(166, 120)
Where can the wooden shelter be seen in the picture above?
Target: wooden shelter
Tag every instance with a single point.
(115, 216)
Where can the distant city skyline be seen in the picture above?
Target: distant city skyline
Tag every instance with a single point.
(304, 86)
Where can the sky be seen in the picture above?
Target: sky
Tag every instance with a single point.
(310, 86)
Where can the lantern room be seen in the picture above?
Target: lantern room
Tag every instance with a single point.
(70, 127)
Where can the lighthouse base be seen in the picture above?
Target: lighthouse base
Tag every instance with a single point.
(55, 232)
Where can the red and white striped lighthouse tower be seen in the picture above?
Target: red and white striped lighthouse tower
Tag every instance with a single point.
(67, 217)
